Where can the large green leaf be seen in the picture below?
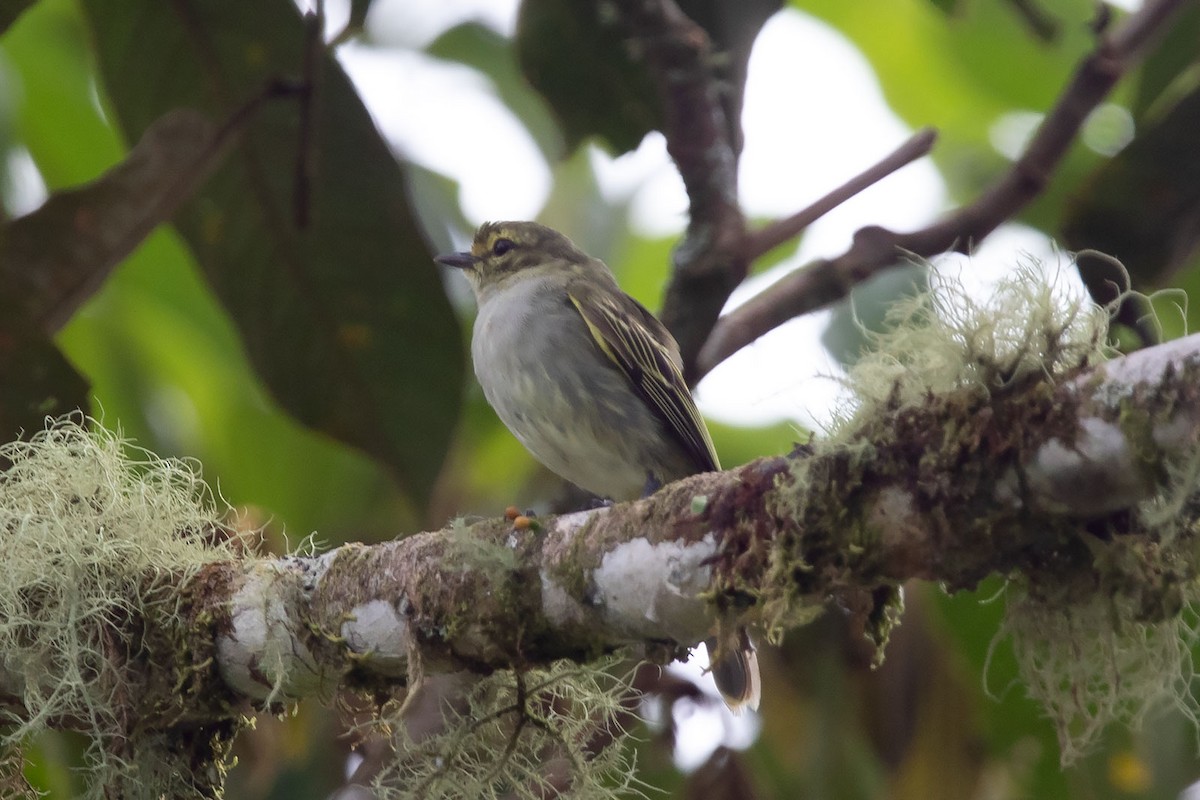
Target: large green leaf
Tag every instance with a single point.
(57, 120)
(582, 67)
(345, 319)
(164, 361)
(939, 69)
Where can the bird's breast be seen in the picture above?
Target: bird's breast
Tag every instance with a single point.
(567, 404)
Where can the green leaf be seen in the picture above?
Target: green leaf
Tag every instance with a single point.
(1143, 206)
(57, 119)
(1171, 68)
(942, 70)
(581, 65)
(947, 6)
(865, 311)
(164, 361)
(578, 58)
(946, 71)
(10, 10)
(345, 318)
(1015, 726)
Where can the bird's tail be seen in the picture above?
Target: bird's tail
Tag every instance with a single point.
(734, 667)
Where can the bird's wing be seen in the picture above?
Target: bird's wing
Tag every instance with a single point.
(640, 346)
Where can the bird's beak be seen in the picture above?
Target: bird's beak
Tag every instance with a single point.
(456, 260)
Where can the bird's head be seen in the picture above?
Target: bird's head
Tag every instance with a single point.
(504, 251)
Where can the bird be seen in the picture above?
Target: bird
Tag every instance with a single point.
(591, 383)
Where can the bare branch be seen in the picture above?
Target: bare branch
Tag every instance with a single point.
(55, 258)
(875, 248)
(760, 242)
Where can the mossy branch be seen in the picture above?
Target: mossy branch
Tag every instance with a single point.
(960, 490)
(989, 439)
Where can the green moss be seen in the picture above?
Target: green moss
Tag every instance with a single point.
(1137, 425)
(95, 543)
(1099, 610)
(503, 733)
(887, 607)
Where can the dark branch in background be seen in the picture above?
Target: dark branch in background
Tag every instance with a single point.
(1032, 486)
(106, 219)
(875, 248)
(1040, 22)
(306, 150)
(716, 251)
(708, 262)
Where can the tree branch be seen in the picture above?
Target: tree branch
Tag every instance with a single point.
(761, 242)
(875, 248)
(127, 617)
(701, 139)
(1032, 477)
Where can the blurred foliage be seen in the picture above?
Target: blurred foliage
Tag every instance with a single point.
(963, 72)
(349, 338)
(565, 54)
(1161, 169)
(317, 372)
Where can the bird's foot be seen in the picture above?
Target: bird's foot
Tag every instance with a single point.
(512, 512)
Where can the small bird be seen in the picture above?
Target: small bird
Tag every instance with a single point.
(591, 383)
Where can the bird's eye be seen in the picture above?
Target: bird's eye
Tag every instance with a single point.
(502, 246)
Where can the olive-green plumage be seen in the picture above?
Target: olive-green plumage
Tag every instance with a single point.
(588, 380)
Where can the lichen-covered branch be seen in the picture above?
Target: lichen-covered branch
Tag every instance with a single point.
(989, 439)
(958, 490)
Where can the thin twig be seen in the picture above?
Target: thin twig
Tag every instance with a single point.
(776, 233)
(875, 249)
(306, 150)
